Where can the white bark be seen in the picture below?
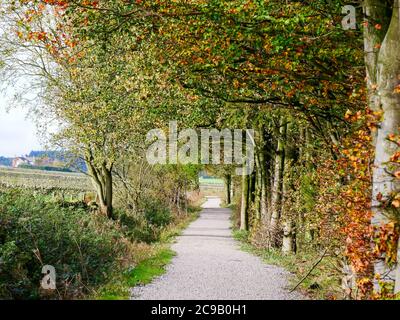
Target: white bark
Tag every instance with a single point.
(387, 79)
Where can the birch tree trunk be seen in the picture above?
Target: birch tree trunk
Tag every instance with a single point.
(288, 224)
(278, 177)
(397, 279)
(264, 179)
(244, 218)
(383, 70)
(258, 177)
(288, 239)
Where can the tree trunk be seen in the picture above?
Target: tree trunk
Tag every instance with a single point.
(277, 187)
(397, 281)
(383, 70)
(263, 179)
(375, 13)
(288, 238)
(228, 181)
(244, 214)
(101, 177)
(288, 217)
(266, 192)
(258, 187)
(108, 193)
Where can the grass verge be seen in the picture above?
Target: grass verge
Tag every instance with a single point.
(322, 283)
(151, 262)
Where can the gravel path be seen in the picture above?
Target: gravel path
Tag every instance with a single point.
(209, 265)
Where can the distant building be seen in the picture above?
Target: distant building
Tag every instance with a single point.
(17, 162)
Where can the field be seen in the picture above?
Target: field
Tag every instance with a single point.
(44, 180)
(68, 181)
(212, 187)
(211, 182)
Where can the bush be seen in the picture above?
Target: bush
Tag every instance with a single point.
(146, 224)
(156, 213)
(34, 232)
(136, 228)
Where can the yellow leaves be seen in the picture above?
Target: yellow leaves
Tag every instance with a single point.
(348, 114)
(267, 47)
(386, 239)
(397, 89)
(288, 65)
(396, 203)
(352, 117)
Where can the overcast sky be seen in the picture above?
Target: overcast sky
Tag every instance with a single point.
(17, 132)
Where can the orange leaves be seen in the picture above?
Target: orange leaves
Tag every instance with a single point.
(354, 201)
(386, 238)
(348, 115)
(397, 89)
(396, 203)
(374, 86)
(54, 36)
(395, 157)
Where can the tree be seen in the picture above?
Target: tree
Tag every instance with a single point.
(382, 46)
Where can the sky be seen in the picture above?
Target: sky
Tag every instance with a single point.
(18, 134)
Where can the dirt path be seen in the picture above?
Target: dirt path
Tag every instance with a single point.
(210, 265)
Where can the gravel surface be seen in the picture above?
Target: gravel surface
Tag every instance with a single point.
(209, 265)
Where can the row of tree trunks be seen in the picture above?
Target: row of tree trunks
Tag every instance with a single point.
(277, 189)
(266, 188)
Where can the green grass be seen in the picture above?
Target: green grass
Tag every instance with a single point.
(149, 268)
(322, 283)
(143, 273)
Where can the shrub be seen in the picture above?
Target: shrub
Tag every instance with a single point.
(136, 228)
(34, 232)
(156, 213)
(145, 224)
